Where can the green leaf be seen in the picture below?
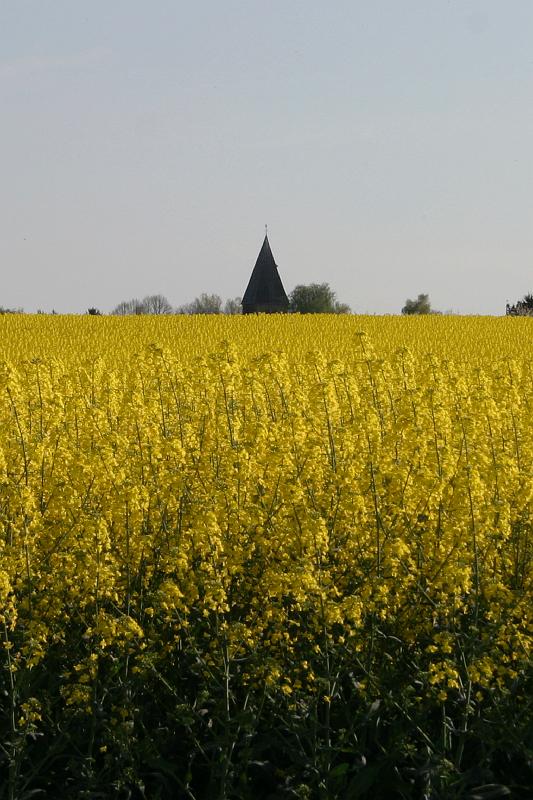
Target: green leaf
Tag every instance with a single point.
(339, 770)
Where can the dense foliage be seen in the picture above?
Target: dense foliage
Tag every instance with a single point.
(232, 571)
(419, 306)
(316, 298)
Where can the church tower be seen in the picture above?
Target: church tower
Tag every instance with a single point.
(265, 293)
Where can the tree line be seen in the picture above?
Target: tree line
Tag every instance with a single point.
(522, 308)
(312, 298)
(158, 304)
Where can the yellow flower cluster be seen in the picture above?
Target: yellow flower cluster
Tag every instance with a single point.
(79, 339)
(263, 503)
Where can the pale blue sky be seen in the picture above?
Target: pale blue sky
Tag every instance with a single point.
(388, 144)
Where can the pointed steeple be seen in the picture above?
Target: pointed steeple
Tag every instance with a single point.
(265, 293)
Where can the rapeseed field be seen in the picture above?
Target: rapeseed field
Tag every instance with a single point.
(266, 557)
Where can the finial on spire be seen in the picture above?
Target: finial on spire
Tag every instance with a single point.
(266, 229)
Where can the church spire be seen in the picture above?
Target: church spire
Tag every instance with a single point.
(265, 293)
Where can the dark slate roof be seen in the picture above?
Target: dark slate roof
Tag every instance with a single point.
(265, 290)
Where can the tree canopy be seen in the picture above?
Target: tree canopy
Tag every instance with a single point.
(233, 306)
(204, 304)
(419, 306)
(151, 304)
(522, 308)
(316, 298)
(158, 304)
